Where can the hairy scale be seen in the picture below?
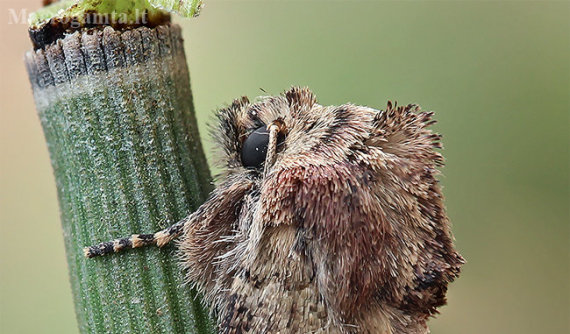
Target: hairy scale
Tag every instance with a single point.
(341, 229)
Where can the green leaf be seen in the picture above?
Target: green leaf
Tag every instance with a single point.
(185, 8)
(131, 10)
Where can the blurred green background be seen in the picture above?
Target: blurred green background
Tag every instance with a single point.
(496, 73)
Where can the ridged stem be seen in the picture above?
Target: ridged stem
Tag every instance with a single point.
(116, 109)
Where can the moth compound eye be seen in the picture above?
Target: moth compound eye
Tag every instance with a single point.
(254, 148)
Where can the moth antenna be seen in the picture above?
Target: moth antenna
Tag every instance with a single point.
(159, 238)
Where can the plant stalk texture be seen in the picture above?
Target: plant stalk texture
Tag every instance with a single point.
(117, 113)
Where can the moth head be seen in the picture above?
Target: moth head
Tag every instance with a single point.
(288, 130)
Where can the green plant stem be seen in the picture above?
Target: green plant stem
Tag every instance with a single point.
(116, 109)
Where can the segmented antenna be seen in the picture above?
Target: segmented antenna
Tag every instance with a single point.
(159, 238)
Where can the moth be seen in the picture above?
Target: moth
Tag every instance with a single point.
(328, 219)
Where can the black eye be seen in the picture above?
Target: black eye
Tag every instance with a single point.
(254, 148)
